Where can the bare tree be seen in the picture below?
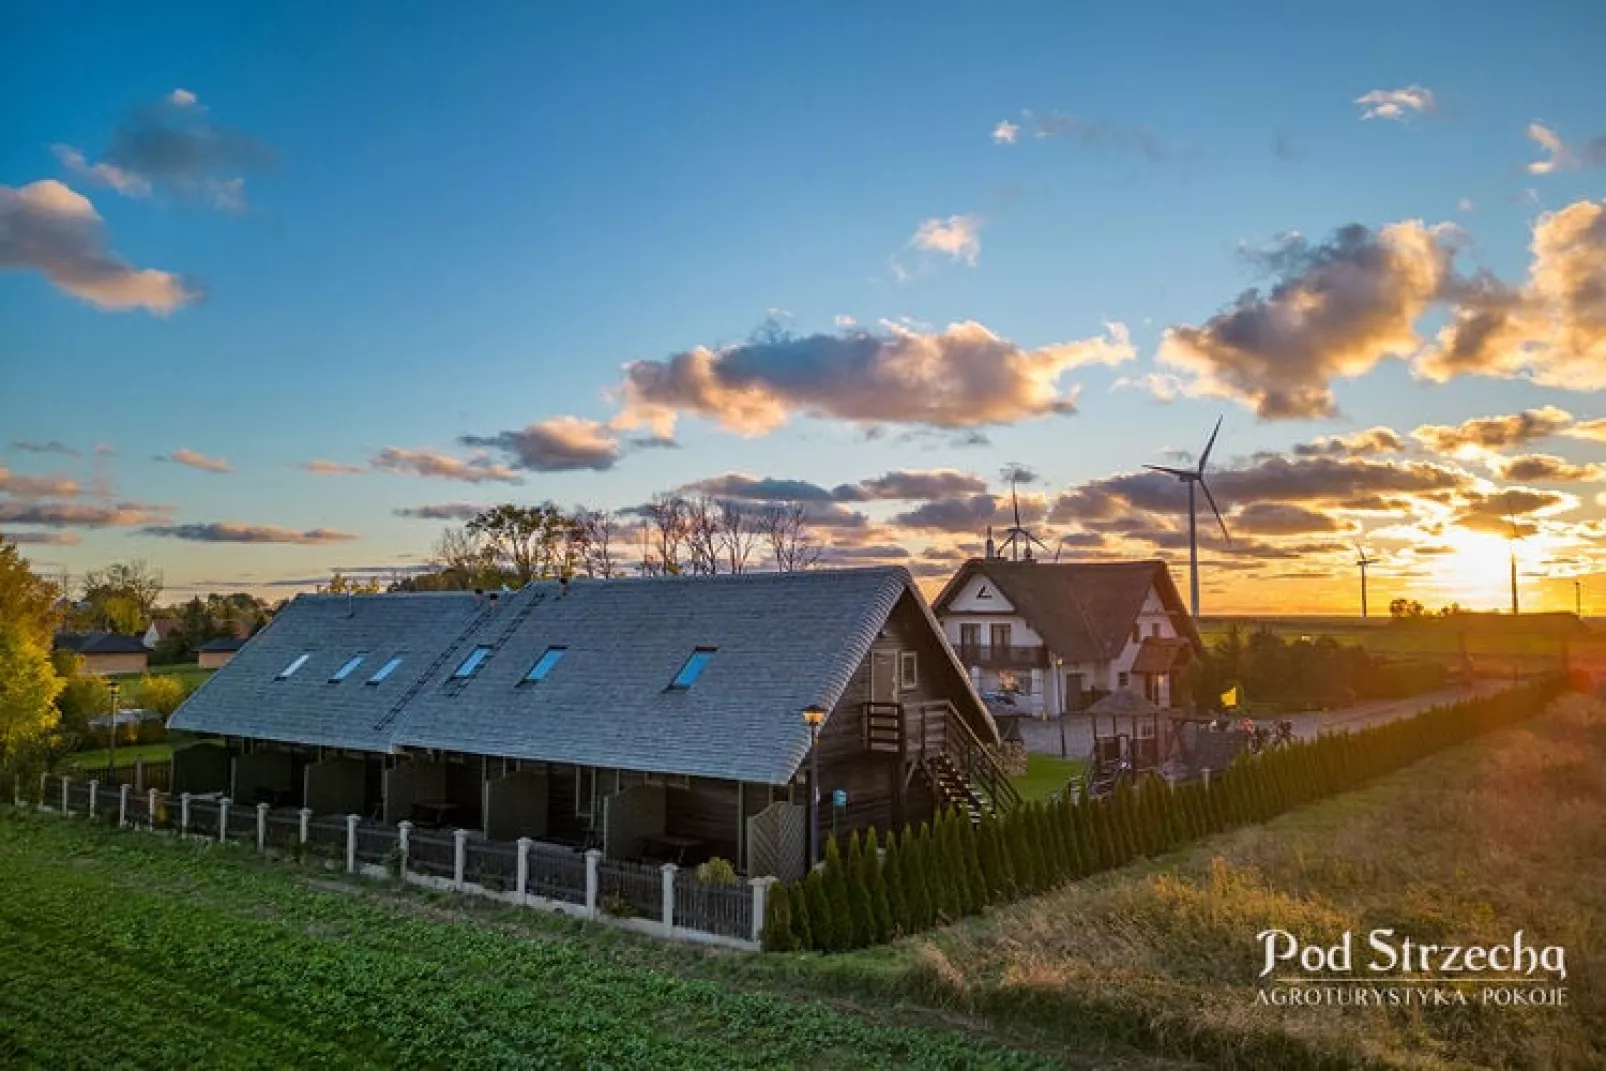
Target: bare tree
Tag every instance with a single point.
(464, 560)
(667, 525)
(791, 544)
(703, 535)
(738, 534)
(595, 532)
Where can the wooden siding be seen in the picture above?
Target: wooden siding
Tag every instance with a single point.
(707, 810)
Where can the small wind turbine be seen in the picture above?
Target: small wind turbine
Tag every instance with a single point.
(1018, 540)
(1363, 561)
(1195, 478)
(1512, 541)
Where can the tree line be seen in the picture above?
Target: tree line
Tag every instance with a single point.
(1304, 673)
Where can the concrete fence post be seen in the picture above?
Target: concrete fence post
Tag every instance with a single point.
(66, 807)
(593, 882)
(306, 822)
(525, 843)
(122, 805)
(184, 814)
(404, 842)
(44, 782)
(139, 773)
(262, 827)
(761, 897)
(151, 798)
(223, 820)
(459, 856)
(1206, 772)
(669, 871)
(351, 842)
(94, 791)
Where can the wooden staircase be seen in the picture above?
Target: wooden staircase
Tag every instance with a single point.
(931, 739)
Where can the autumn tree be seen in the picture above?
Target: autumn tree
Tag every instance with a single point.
(119, 598)
(28, 680)
(26, 599)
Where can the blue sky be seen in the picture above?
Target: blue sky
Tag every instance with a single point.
(473, 217)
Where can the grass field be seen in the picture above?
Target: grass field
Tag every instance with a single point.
(191, 674)
(127, 755)
(1045, 775)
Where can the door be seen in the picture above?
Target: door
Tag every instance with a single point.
(1000, 640)
(883, 676)
(1074, 699)
(969, 641)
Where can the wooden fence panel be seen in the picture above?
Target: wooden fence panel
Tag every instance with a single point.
(777, 839)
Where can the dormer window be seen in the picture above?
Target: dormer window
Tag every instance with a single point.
(300, 661)
(693, 668)
(471, 663)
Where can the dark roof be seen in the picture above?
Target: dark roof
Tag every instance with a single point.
(1123, 703)
(1158, 654)
(222, 643)
(782, 640)
(94, 643)
(1083, 610)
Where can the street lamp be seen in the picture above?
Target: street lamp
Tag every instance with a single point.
(115, 688)
(814, 717)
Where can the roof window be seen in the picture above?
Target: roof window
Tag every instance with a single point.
(693, 668)
(544, 664)
(293, 666)
(385, 670)
(471, 663)
(345, 671)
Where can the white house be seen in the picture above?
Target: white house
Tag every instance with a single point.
(1060, 635)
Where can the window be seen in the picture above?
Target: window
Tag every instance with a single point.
(385, 670)
(293, 666)
(544, 664)
(1154, 630)
(693, 668)
(345, 671)
(970, 636)
(1000, 635)
(471, 663)
(1123, 679)
(908, 670)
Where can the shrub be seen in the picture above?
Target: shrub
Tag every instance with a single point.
(892, 875)
(880, 905)
(717, 871)
(618, 907)
(861, 910)
(834, 875)
(778, 920)
(161, 694)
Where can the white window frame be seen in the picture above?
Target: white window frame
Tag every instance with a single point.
(909, 670)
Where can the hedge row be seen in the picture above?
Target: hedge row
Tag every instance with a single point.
(945, 870)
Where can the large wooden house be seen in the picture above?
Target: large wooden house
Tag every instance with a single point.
(651, 718)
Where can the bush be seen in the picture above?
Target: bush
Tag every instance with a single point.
(717, 871)
(778, 920)
(161, 694)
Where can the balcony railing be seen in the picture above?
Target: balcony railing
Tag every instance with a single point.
(1014, 657)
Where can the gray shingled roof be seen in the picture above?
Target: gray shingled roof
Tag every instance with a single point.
(784, 640)
(244, 698)
(98, 643)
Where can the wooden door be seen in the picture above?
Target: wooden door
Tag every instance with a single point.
(883, 676)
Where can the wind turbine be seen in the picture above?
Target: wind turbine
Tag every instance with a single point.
(1017, 540)
(1512, 542)
(1195, 477)
(1363, 561)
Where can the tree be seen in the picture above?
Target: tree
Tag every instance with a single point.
(529, 541)
(596, 531)
(340, 584)
(778, 920)
(28, 690)
(792, 546)
(26, 599)
(667, 530)
(120, 597)
(1407, 610)
(738, 535)
(162, 694)
(702, 535)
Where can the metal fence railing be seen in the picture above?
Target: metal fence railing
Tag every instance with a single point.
(557, 874)
(493, 866)
(432, 853)
(203, 818)
(630, 889)
(327, 834)
(376, 842)
(722, 909)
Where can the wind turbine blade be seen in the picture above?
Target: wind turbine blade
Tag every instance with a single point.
(1204, 458)
(1214, 509)
(1168, 470)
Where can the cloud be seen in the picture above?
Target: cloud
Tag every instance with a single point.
(744, 488)
(79, 515)
(895, 486)
(50, 228)
(1471, 437)
(1465, 204)
(37, 486)
(1005, 133)
(1095, 135)
(1547, 468)
(428, 463)
(1559, 155)
(172, 145)
(958, 237)
(561, 444)
(320, 467)
(443, 511)
(962, 377)
(1015, 472)
(233, 532)
(186, 456)
(1161, 386)
(1551, 330)
(1280, 519)
(51, 539)
(1592, 430)
(1378, 440)
(970, 514)
(1338, 309)
(1397, 104)
(52, 447)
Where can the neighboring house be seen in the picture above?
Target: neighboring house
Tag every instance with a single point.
(158, 630)
(105, 653)
(1058, 635)
(215, 654)
(655, 717)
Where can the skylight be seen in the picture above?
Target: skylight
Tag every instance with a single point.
(385, 670)
(544, 664)
(345, 671)
(693, 668)
(471, 663)
(293, 666)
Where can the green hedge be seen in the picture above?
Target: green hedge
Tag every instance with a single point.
(952, 868)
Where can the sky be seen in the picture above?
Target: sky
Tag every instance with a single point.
(274, 281)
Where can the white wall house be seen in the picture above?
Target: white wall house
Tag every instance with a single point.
(1054, 633)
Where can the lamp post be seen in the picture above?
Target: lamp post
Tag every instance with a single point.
(814, 717)
(115, 688)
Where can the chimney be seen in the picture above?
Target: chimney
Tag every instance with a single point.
(563, 586)
(992, 552)
(493, 597)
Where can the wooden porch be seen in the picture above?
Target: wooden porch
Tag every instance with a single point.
(931, 739)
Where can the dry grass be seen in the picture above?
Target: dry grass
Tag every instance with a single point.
(1505, 833)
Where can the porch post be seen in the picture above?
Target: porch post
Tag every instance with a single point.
(404, 841)
(669, 870)
(184, 815)
(593, 857)
(151, 807)
(94, 791)
(122, 805)
(524, 869)
(306, 821)
(351, 842)
(761, 896)
(459, 856)
(262, 827)
(223, 820)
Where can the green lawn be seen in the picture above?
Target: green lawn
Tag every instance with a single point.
(1045, 775)
(188, 954)
(127, 755)
(191, 674)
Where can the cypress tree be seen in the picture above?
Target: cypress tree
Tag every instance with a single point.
(914, 878)
(954, 879)
(778, 920)
(875, 875)
(860, 908)
(822, 932)
(897, 898)
(836, 894)
(970, 841)
(987, 858)
(802, 937)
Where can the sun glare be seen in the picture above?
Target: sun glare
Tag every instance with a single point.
(1477, 574)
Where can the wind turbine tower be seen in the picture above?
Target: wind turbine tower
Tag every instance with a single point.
(1195, 478)
(1362, 560)
(1512, 518)
(1018, 540)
